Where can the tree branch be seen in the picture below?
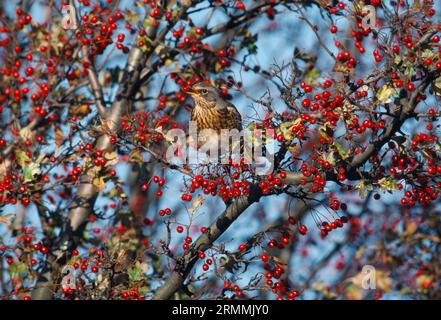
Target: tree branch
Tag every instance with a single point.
(186, 262)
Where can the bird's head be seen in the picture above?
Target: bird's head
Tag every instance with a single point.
(204, 95)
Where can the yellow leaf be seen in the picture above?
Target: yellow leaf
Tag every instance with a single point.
(359, 252)
(99, 183)
(385, 93)
(105, 127)
(312, 75)
(30, 168)
(354, 292)
(326, 131)
(79, 110)
(168, 62)
(363, 187)
(59, 137)
(217, 67)
(136, 156)
(416, 5)
(411, 228)
(387, 185)
(293, 150)
(286, 128)
(26, 133)
(384, 282)
(112, 158)
(199, 201)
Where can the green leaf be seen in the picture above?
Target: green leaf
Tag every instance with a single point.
(330, 158)
(409, 69)
(22, 158)
(30, 171)
(17, 269)
(29, 167)
(428, 54)
(144, 290)
(252, 48)
(312, 75)
(387, 184)
(341, 150)
(363, 187)
(135, 272)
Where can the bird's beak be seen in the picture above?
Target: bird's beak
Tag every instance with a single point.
(191, 92)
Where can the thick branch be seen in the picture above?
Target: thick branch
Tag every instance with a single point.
(188, 259)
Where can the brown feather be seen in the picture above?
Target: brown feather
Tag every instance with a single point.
(217, 119)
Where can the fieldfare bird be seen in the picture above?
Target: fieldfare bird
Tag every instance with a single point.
(214, 117)
(220, 117)
(211, 111)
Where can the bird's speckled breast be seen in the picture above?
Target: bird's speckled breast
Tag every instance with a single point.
(215, 119)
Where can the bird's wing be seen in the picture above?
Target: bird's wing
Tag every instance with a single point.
(235, 115)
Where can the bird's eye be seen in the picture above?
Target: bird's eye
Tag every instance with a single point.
(204, 91)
